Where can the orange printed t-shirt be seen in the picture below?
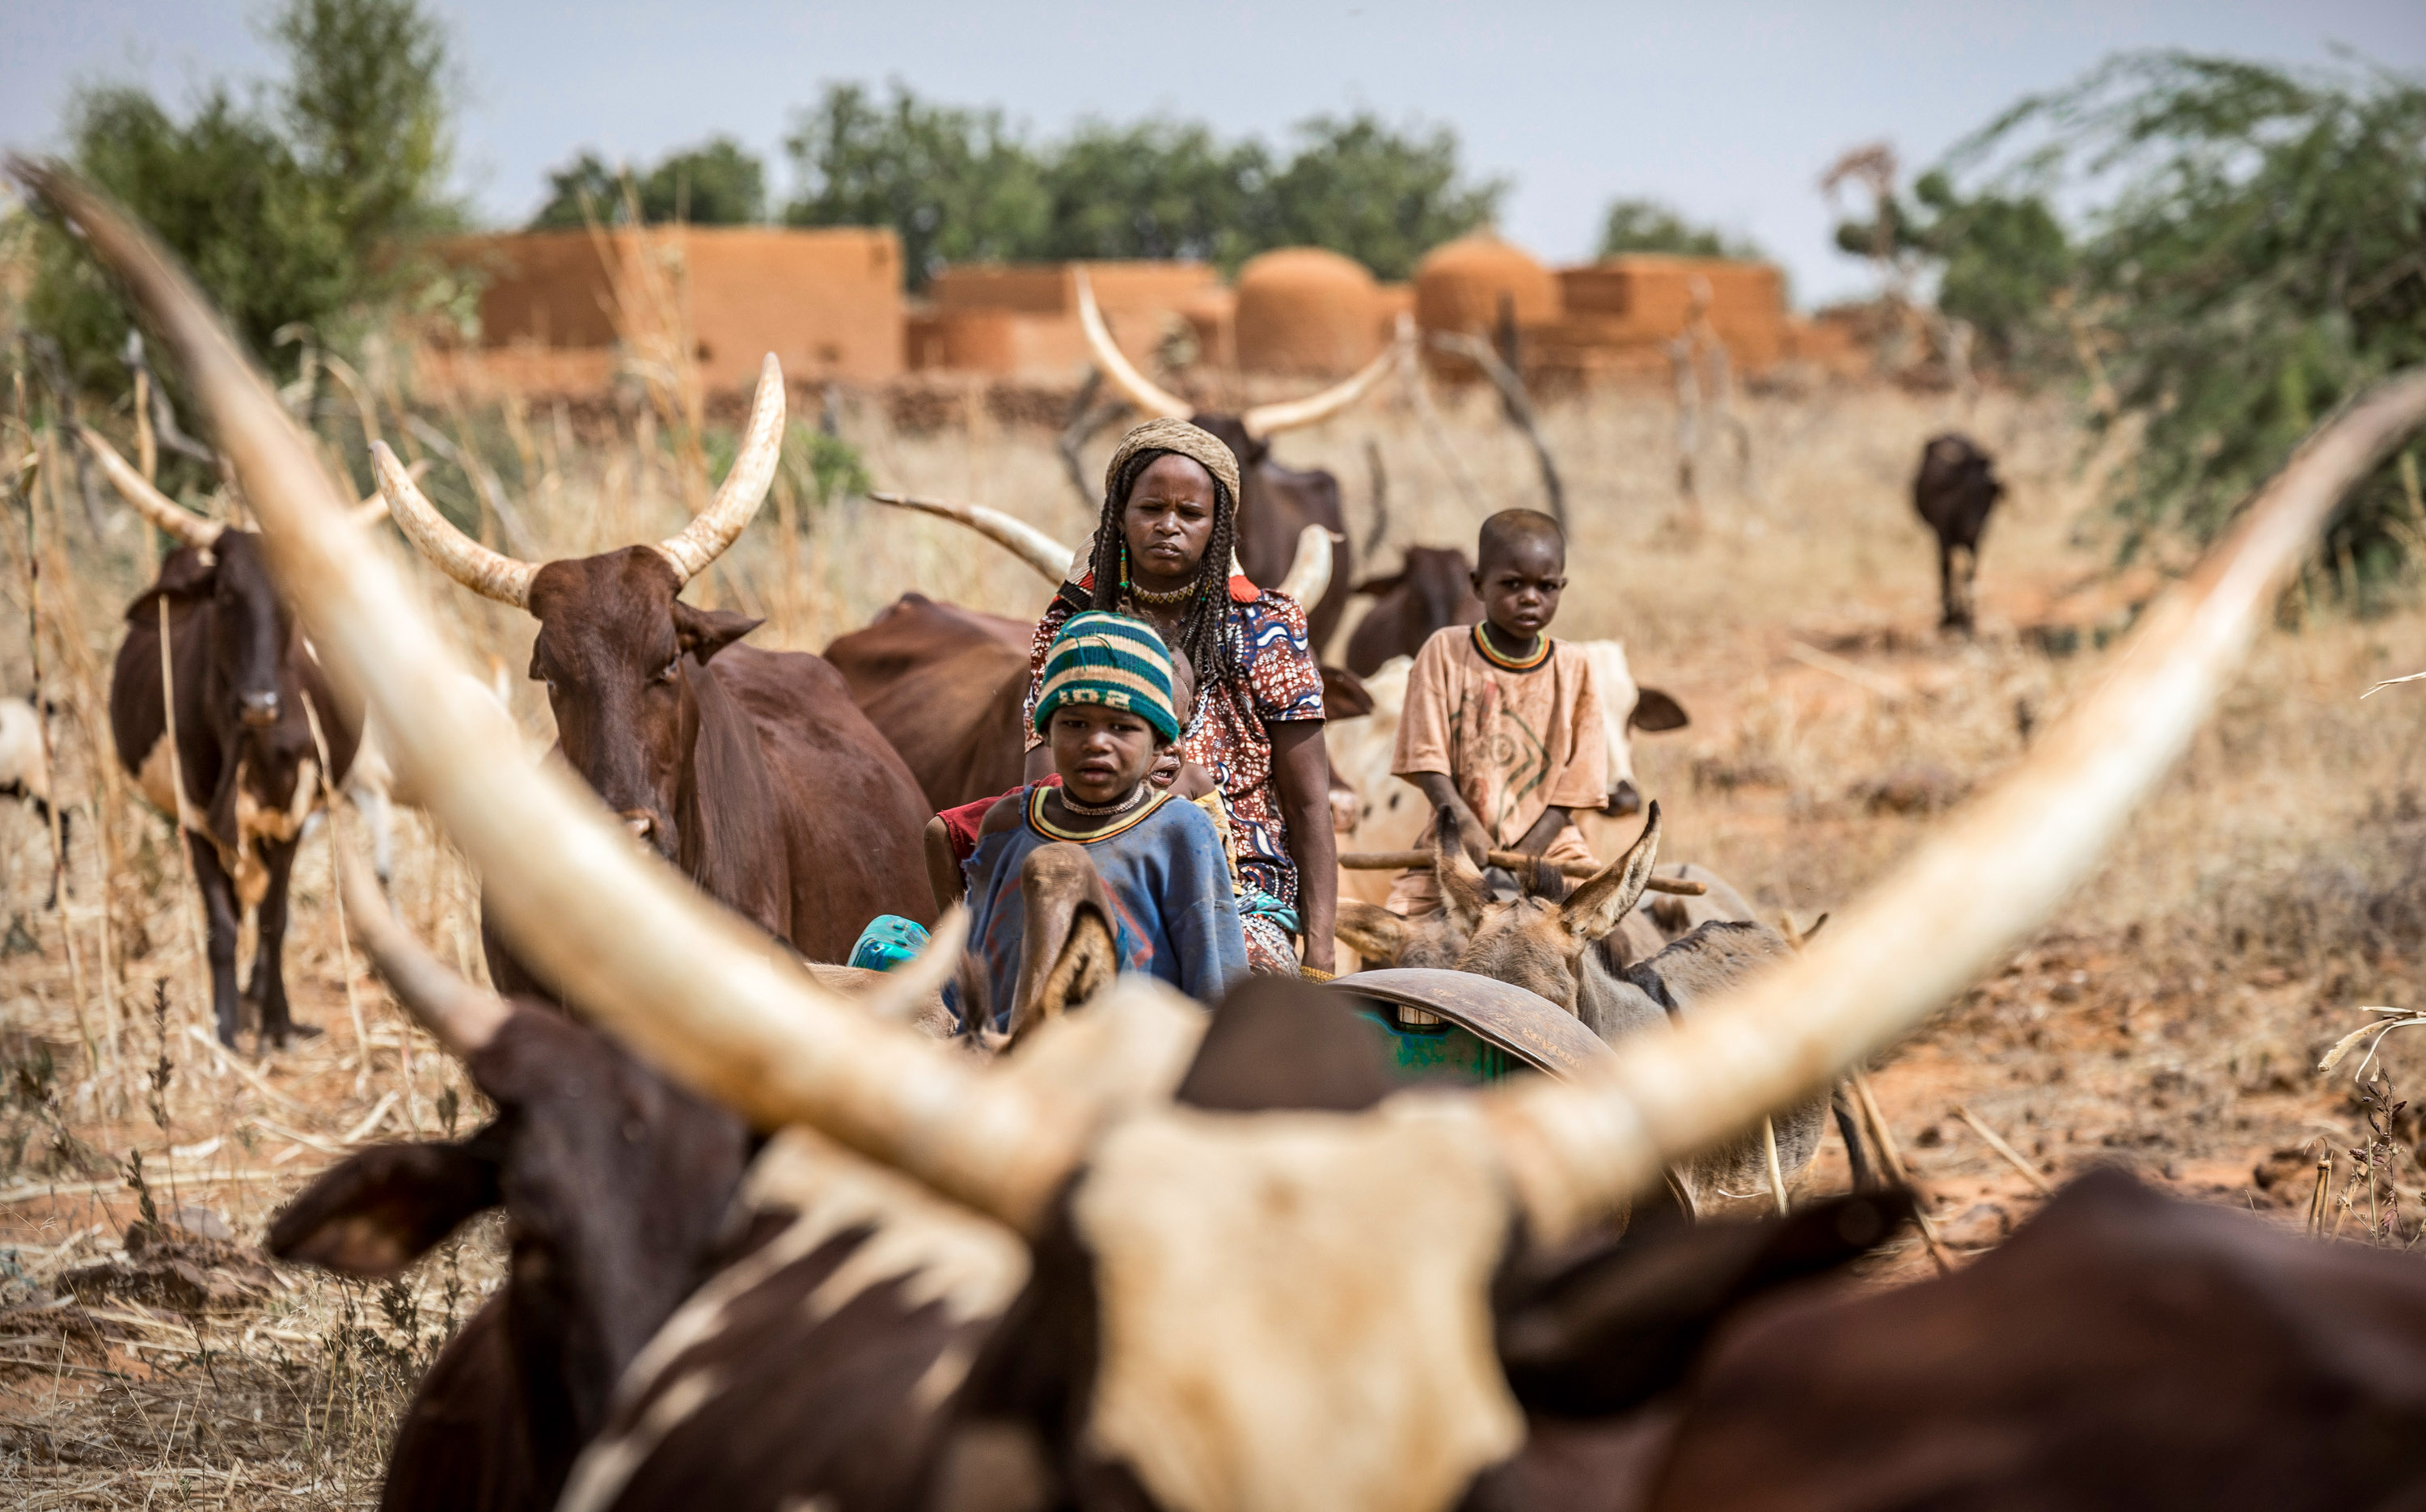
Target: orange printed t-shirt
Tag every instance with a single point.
(1515, 737)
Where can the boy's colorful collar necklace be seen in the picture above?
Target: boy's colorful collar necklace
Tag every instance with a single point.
(1515, 664)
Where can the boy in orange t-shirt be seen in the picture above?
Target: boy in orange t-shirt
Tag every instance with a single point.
(1502, 724)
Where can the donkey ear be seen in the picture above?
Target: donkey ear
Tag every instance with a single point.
(378, 1212)
(704, 632)
(1461, 882)
(1595, 909)
(1654, 711)
(1370, 930)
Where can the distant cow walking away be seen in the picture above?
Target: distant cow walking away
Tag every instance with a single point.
(1954, 490)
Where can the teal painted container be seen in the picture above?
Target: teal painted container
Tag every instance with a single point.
(1438, 1052)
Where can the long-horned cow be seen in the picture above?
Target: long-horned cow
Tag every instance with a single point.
(1230, 1273)
(752, 770)
(218, 727)
(1279, 503)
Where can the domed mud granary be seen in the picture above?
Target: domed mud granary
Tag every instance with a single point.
(1305, 309)
(1461, 284)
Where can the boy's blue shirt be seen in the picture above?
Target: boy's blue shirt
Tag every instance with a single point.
(1170, 885)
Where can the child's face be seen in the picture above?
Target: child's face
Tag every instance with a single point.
(1519, 586)
(1168, 760)
(1101, 753)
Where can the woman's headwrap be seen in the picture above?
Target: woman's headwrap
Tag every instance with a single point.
(1191, 442)
(1112, 661)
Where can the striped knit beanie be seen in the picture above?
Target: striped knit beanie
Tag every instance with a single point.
(1111, 660)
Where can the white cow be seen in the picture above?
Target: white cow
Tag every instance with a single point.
(1391, 813)
(25, 773)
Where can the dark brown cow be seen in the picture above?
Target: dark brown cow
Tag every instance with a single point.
(618, 1184)
(752, 770)
(946, 685)
(879, 1349)
(1433, 587)
(2123, 1349)
(247, 693)
(1953, 493)
(1277, 503)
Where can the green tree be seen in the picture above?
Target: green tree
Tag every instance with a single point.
(1159, 188)
(2254, 260)
(1381, 195)
(715, 184)
(1650, 226)
(956, 185)
(301, 206)
(2001, 261)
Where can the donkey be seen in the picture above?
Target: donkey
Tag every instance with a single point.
(1587, 951)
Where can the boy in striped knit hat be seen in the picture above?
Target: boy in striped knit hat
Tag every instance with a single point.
(1104, 710)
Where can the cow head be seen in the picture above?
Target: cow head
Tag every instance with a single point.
(615, 1183)
(616, 646)
(1536, 940)
(251, 627)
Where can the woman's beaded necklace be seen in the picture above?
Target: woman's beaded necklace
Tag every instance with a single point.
(1170, 600)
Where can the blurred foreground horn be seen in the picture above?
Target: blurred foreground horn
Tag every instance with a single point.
(1022, 539)
(1988, 877)
(1266, 420)
(165, 514)
(684, 983)
(1143, 395)
(488, 573)
(1309, 573)
(721, 524)
(462, 1017)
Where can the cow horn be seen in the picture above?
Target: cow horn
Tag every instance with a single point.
(491, 575)
(727, 515)
(1976, 888)
(1022, 539)
(1309, 575)
(165, 514)
(687, 985)
(1267, 420)
(1141, 394)
(462, 1017)
(374, 509)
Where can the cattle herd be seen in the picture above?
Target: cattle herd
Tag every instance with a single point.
(775, 1245)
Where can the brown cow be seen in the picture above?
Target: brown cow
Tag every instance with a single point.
(946, 687)
(1433, 587)
(1277, 503)
(2123, 1349)
(243, 772)
(1953, 493)
(752, 770)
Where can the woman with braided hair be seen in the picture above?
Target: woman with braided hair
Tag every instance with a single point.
(1171, 505)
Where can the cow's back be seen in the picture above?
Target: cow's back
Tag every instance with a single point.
(852, 814)
(945, 687)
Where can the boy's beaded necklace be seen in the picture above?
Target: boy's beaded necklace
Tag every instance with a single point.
(1497, 657)
(1103, 811)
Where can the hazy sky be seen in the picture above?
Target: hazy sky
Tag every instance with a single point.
(1731, 111)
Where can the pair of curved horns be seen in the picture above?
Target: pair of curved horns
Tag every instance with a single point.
(1308, 577)
(172, 519)
(688, 987)
(1261, 421)
(508, 579)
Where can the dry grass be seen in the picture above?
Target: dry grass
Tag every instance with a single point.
(2170, 1015)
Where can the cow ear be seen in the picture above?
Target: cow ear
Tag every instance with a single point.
(1610, 1329)
(1654, 711)
(189, 570)
(1344, 695)
(703, 633)
(1379, 585)
(378, 1212)
(1370, 930)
